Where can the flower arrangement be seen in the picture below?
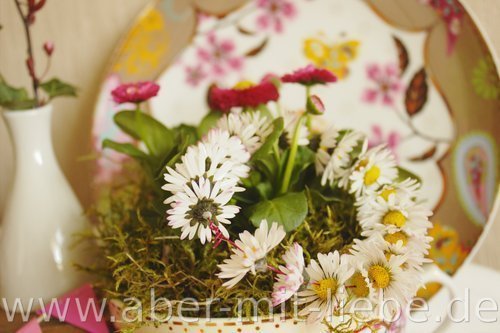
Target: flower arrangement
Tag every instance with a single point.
(264, 203)
(43, 90)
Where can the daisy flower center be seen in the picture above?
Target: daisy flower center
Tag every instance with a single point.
(326, 288)
(203, 211)
(132, 90)
(372, 175)
(359, 286)
(242, 85)
(361, 164)
(394, 217)
(386, 193)
(380, 276)
(396, 237)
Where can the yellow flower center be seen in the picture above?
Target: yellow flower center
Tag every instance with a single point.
(396, 237)
(380, 276)
(372, 175)
(244, 85)
(325, 288)
(386, 193)
(394, 217)
(359, 286)
(361, 164)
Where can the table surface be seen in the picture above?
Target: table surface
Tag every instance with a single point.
(487, 12)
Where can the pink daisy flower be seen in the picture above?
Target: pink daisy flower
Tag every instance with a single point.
(135, 92)
(310, 75)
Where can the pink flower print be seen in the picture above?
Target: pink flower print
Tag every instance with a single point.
(387, 84)
(195, 74)
(273, 12)
(391, 140)
(453, 14)
(219, 54)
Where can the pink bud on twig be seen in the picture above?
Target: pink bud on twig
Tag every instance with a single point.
(34, 6)
(48, 47)
(31, 66)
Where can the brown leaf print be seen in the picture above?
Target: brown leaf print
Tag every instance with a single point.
(258, 49)
(416, 94)
(404, 59)
(245, 31)
(425, 156)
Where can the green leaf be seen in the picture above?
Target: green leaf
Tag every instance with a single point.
(55, 88)
(289, 210)
(13, 98)
(321, 198)
(404, 174)
(269, 167)
(125, 148)
(158, 139)
(208, 122)
(278, 126)
(20, 105)
(304, 158)
(265, 190)
(184, 131)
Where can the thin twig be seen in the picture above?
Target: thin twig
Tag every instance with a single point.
(416, 131)
(27, 32)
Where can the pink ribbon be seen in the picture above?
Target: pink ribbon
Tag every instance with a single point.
(80, 308)
(33, 326)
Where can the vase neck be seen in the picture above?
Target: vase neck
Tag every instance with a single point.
(31, 137)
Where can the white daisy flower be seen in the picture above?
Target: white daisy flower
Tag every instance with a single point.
(325, 292)
(327, 142)
(397, 214)
(198, 206)
(290, 119)
(221, 146)
(251, 127)
(373, 169)
(408, 188)
(196, 163)
(361, 294)
(340, 159)
(386, 274)
(291, 276)
(399, 243)
(249, 254)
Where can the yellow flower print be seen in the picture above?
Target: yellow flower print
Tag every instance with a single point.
(144, 47)
(447, 252)
(334, 57)
(485, 79)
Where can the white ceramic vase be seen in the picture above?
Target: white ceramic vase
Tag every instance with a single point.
(41, 217)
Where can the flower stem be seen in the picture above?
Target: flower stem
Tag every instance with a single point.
(291, 158)
(308, 92)
(27, 32)
(276, 152)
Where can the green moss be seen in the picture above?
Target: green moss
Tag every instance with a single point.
(138, 251)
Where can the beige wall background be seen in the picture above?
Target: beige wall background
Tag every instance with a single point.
(85, 33)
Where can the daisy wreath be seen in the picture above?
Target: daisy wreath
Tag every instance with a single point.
(266, 203)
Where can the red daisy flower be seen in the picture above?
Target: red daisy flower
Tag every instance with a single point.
(309, 76)
(224, 99)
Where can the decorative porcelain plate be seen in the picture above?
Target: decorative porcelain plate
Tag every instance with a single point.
(416, 74)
